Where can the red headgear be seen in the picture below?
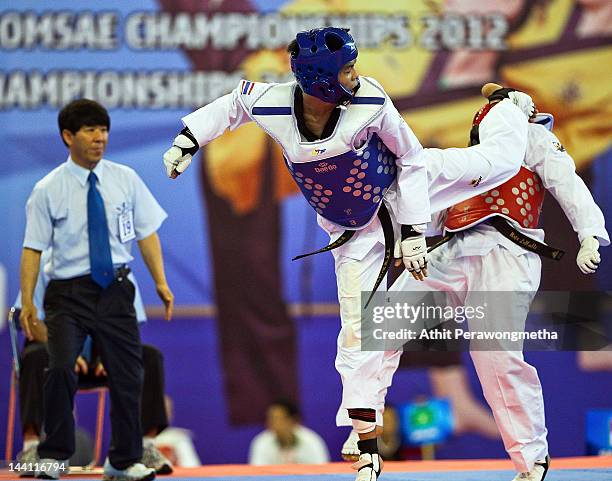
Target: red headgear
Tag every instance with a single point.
(474, 137)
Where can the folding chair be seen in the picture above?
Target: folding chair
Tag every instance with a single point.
(10, 428)
(10, 425)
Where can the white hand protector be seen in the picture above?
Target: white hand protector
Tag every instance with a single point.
(413, 252)
(588, 257)
(178, 157)
(523, 102)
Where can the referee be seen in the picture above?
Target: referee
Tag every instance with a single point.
(89, 211)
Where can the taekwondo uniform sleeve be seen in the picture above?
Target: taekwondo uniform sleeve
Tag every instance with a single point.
(548, 158)
(436, 226)
(227, 112)
(457, 174)
(412, 205)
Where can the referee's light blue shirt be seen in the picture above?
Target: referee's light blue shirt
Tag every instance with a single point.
(56, 215)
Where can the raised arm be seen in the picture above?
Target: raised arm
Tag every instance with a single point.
(209, 122)
(458, 174)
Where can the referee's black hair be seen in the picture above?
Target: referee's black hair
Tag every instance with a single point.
(82, 112)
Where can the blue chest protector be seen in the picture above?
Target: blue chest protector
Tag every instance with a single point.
(347, 189)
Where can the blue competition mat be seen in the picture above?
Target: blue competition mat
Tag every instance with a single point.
(560, 475)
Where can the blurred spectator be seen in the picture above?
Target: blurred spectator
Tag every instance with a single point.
(286, 441)
(596, 360)
(451, 382)
(390, 443)
(176, 444)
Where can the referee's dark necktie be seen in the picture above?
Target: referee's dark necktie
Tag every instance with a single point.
(100, 258)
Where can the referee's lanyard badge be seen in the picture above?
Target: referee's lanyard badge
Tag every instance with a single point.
(126, 223)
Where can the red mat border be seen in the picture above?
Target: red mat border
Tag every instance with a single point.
(210, 471)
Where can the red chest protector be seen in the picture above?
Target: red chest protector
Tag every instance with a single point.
(519, 198)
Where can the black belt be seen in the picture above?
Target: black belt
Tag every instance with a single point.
(387, 226)
(441, 242)
(120, 273)
(505, 228)
(340, 241)
(526, 242)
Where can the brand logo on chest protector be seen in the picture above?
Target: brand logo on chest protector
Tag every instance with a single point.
(324, 167)
(316, 152)
(347, 189)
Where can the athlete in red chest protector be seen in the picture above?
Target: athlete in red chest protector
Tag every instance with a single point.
(496, 246)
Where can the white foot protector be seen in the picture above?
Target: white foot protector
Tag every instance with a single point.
(368, 467)
(538, 473)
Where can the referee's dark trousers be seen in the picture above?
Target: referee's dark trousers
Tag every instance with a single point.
(74, 308)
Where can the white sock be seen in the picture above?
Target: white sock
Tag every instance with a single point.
(30, 443)
(147, 441)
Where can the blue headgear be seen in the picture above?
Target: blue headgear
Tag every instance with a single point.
(322, 53)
